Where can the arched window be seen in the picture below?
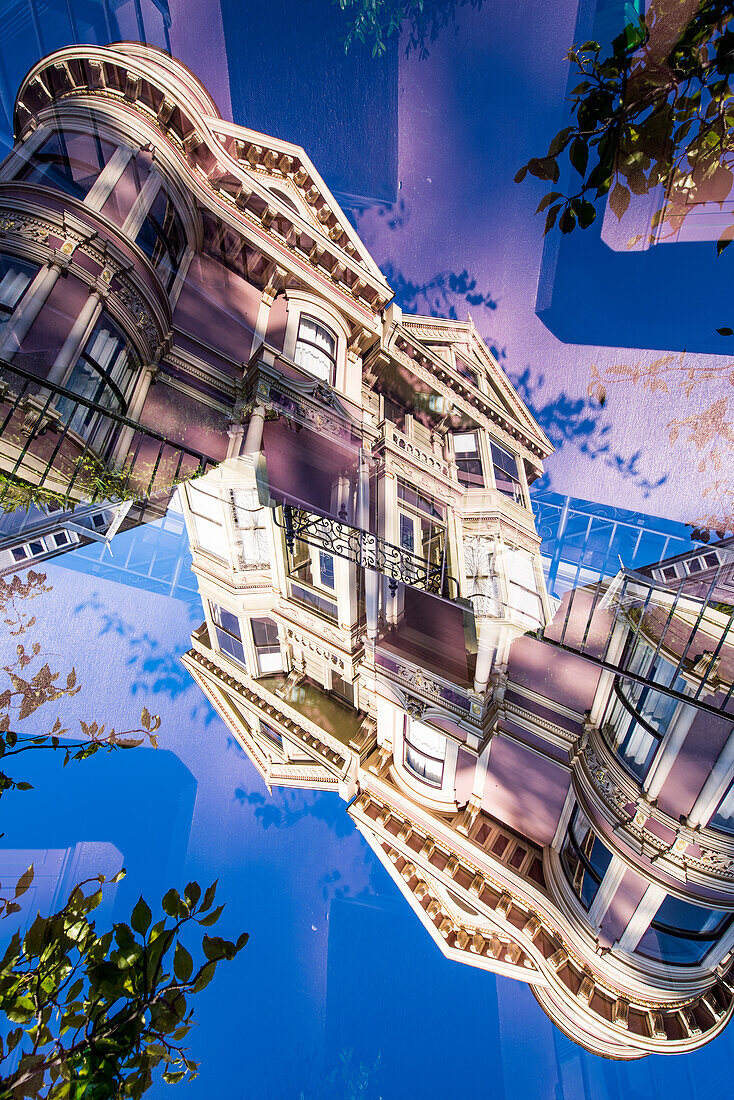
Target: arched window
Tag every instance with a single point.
(102, 374)
(425, 752)
(15, 275)
(162, 238)
(682, 933)
(584, 858)
(316, 349)
(69, 161)
(637, 716)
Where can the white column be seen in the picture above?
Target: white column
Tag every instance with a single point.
(108, 177)
(134, 410)
(76, 339)
(667, 753)
(371, 578)
(607, 889)
(486, 650)
(28, 308)
(614, 652)
(715, 787)
(254, 437)
(651, 901)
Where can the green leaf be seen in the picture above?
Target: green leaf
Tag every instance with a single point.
(579, 155)
(547, 200)
(619, 200)
(171, 903)
(209, 896)
(24, 882)
(192, 893)
(211, 918)
(141, 917)
(183, 964)
(521, 174)
(567, 221)
(204, 976)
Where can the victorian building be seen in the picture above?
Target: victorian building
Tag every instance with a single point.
(548, 783)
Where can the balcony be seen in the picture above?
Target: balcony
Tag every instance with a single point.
(58, 447)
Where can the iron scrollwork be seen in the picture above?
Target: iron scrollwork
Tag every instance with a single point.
(366, 550)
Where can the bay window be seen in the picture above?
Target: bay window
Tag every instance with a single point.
(103, 373)
(15, 276)
(68, 161)
(468, 459)
(637, 716)
(265, 637)
(162, 237)
(207, 515)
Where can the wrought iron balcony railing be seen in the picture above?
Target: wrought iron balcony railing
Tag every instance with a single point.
(366, 550)
(694, 636)
(64, 447)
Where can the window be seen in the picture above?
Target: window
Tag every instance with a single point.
(522, 584)
(342, 688)
(584, 858)
(208, 519)
(271, 734)
(229, 634)
(102, 374)
(316, 349)
(251, 524)
(506, 473)
(724, 817)
(466, 371)
(425, 752)
(326, 569)
(265, 637)
(317, 603)
(162, 238)
(468, 460)
(407, 532)
(682, 933)
(121, 199)
(68, 161)
(15, 276)
(637, 716)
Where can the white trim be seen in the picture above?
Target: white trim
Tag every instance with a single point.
(108, 178)
(607, 890)
(141, 207)
(716, 785)
(669, 748)
(639, 922)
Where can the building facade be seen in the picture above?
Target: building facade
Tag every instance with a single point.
(548, 782)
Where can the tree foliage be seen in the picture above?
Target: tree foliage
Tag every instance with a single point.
(95, 1015)
(655, 111)
(376, 21)
(28, 690)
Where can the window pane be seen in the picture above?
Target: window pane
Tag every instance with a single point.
(584, 858)
(407, 535)
(162, 237)
(316, 349)
(264, 632)
(69, 162)
(326, 568)
(682, 933)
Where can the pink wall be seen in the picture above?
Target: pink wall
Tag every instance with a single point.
(219, 308)
(183, 419)
(277, 323)
(558, 676)
(524, 791)
(53, 324)
(465, 767)
(701, 747)
(625, 901)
